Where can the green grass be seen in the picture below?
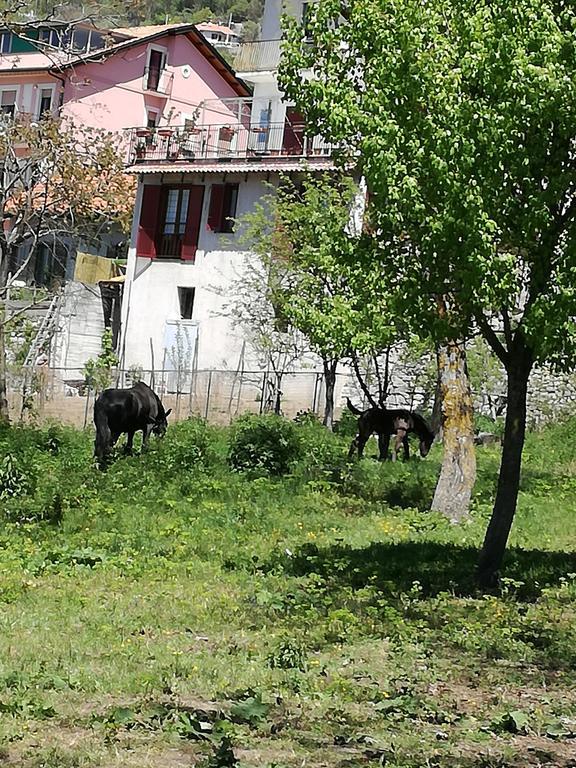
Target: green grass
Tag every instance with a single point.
(171, 612)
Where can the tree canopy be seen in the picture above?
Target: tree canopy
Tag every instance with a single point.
(461, 117)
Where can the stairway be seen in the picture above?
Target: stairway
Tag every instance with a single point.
(81, 325)
(48, 327)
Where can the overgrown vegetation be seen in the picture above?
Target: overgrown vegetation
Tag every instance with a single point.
(173, 611)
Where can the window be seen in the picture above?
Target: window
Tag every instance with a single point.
(45, 101)
(96, 40)
(49, 36)
(80, 39)
(156, 64)
(8, 102)
(152, 116)
(186, 299)
(223, 204)
(6, 42)
(174, 223)
(170, 222)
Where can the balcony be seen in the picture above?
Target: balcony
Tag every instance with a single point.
(158, 81)
(261, 56)
(208, 144)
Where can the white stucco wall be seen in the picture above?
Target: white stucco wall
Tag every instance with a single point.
(151, 291)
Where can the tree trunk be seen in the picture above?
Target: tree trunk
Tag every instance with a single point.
(437, 405)
(330, 384)
(458, 474)
(360, 379)
(518, 369)
(4, 415)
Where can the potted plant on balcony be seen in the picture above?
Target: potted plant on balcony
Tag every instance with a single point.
(140, 149)
(226, 133)
(143, 133)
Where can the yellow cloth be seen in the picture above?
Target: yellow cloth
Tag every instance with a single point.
(91, 269)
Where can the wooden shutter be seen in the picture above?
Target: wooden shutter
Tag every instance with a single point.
(192, 231)
(216, 208)
(149, 217)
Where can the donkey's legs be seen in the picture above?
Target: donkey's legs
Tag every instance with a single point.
(399, 438)
(383, 445)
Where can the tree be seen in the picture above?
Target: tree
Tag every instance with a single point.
(319, 280)
(57, 181)
(462, 117)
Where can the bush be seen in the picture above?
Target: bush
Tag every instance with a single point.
(14, 480)
(186, 445)
(347, 425)
(486, 424)
(323, 454)
(264, 444)
(405, 485)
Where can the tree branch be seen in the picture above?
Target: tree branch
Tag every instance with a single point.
(363, 387)
(490, 335)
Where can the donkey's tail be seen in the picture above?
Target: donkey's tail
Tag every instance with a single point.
(351, 407)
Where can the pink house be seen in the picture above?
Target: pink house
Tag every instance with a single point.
(142, 76)
(153, 77)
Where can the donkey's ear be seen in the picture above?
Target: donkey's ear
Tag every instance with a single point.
(168, 412)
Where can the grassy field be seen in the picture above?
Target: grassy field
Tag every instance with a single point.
(171, 612)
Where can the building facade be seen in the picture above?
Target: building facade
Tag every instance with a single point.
(185, 259)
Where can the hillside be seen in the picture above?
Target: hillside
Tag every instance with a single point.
(110, 13)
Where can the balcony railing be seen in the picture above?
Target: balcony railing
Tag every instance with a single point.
(157, 80)
(223, 143)
(261, 56)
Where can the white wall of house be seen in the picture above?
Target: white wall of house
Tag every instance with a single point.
(151, 293)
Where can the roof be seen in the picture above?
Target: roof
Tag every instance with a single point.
(208, 26)
(144, 31)
(57, 62)
(264, 166)
(30, 62)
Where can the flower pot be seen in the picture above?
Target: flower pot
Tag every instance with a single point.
(226, 134)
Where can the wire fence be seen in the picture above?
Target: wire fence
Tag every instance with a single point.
(64, 395)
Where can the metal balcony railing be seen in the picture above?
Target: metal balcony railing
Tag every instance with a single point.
(223, 143)
(260, 56)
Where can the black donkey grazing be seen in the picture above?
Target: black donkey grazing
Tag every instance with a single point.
(398, 422)
(127, 410)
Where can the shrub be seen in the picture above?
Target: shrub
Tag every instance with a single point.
(347, 425)
(187, 445)
(14, 480)
(324, 455)
(265, 444)
(486, 424)
(406, 485)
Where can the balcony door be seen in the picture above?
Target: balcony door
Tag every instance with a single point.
(170, 222)
(293, 139)
(156, 64)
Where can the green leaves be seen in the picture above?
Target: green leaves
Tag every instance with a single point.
(461, 119)
(323, 278)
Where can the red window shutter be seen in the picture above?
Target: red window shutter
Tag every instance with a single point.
(216, 208)
(190, 240)
(149, 216)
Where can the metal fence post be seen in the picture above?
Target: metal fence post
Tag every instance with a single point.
(208, 396)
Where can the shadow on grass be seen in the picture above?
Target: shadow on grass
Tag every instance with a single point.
(393, 568)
